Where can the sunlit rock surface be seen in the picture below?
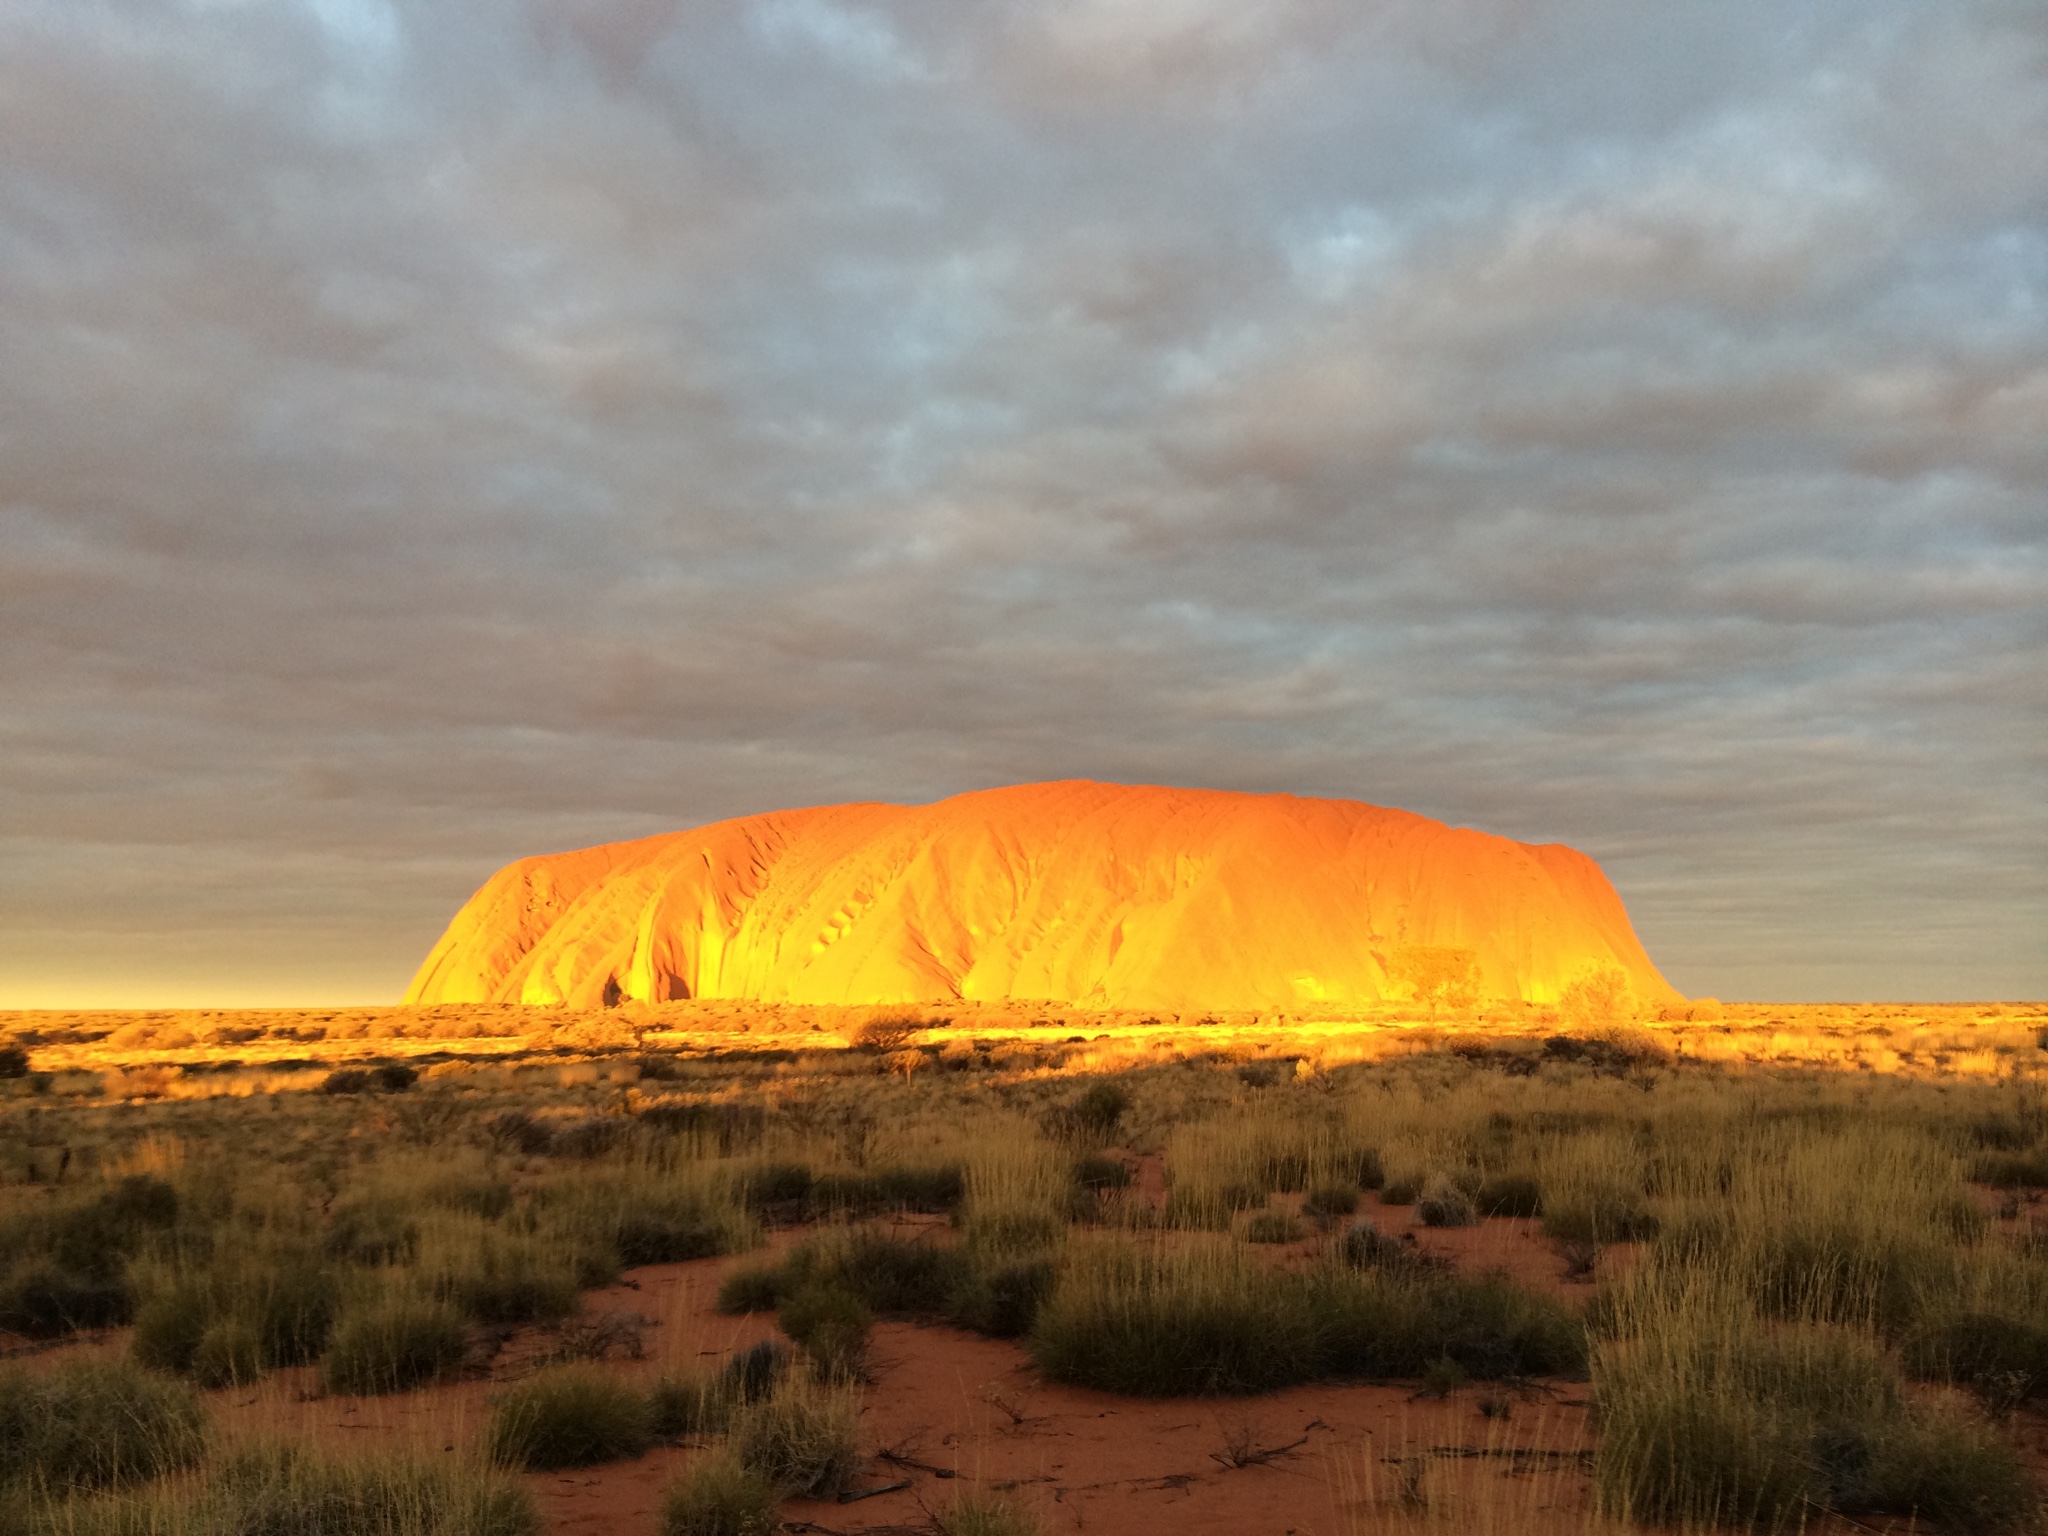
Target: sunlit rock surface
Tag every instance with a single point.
(1100, 894)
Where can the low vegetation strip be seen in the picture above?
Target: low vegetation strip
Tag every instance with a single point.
(1194, 1224)
(1161, 1322)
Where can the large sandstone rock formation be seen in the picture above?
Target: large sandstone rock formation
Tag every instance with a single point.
(1096, 894)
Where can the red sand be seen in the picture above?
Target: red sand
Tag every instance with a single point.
(948, 1410)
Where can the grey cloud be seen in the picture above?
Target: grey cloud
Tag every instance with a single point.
(434, 433)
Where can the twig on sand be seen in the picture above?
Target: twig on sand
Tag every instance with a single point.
(897, 1458)
(855, 1495)
(1240, 1450)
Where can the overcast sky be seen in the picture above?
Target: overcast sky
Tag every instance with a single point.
(437, 432)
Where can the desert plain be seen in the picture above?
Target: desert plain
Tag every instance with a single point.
(1391, 1267)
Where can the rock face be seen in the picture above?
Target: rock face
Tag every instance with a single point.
(1102, 895)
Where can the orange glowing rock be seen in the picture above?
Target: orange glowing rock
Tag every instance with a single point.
(1102, 895)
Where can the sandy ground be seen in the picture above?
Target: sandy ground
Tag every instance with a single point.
(948, 1410)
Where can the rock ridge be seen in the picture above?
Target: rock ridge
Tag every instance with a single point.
(1115, 896)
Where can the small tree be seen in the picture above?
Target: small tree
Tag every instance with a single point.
(1439, 975)
(888, 1032)
(1599, 997)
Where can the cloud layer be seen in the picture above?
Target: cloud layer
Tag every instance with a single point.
(433, 433)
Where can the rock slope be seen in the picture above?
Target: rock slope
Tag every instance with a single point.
(1103, 895)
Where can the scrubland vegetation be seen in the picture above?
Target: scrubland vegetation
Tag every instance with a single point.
(1790, 1294)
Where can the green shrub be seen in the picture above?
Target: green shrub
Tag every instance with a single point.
(1002, 1299)
(569, 1416)
(1614, 1216)
(1401, 1191)
(43, 1300)
(1400, 1323)
(710, 1129)
(1160, 1324)
(929, 1189)
(1209, 1207)
(285, 1490)
(891, 1275)
(95, 1424)
(751, 1288)
(1443, 1204)
(170, 1322)
(393, 1343)
(752, 1374)
(1365, 1246)
(1273, 1227)
(1326, 1202)
(1100, 1107)
(776, 1184)
(71, 1258)
(1096, 1172)
(644, 1218)
(499, 1276)
(992, 1232)
(2004, 1360)
(460, 1187)
(830, 1324)
(347, 1080)
(719, 1496)
(1704, 1419)
(689, 1405)
(1818, 1264)
(373, 1230)
(803, 1438)
(1936, 1466)
(395, 1076)
(1511, 1194)
(231, 1322)
(291, 1302)
(228, 1354)
(2012, 1170)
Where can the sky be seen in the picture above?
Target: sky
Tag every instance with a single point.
(438, 431)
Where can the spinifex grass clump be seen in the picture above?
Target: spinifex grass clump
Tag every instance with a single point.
(1327, 1202)
(2000, 1357)
(1850, 1225)
(719, 1496)
(644, 1215)
(1709, 1414)
(95, 1424)
(1443, 1204)
(1274, 1227)
(694, 1403)
(373, 1229)
(1217, 1168)
(67, 1260)
(227, 1321)
(1158, 1322)
(830, 1324)
(392, 1341)
(828, 1290)
(1510, 1194)
(285, 1490)
(751, 1288)
(802, 1438)
(494, 1273)
(569, 1416)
